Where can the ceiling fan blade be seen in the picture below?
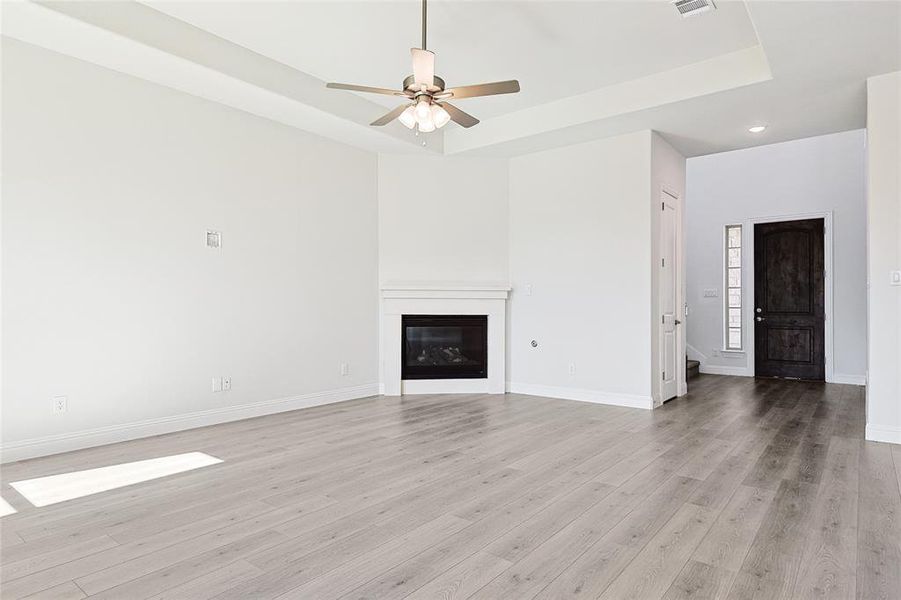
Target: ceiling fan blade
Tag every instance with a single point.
(484, 89)
(364, 88)
(458, 116)
(387, 118)
(423, 66)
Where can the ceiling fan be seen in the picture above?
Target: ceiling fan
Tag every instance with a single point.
(428, 107)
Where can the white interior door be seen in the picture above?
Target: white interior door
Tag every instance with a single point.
(668, 306)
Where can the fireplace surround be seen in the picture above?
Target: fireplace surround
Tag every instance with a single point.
(472, 303)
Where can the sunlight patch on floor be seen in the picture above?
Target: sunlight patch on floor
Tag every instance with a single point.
(43, 491)
(6, 508)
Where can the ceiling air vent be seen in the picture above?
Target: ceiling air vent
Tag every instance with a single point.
(688, 8)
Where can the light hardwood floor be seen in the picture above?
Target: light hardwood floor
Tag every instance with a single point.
(742, 489)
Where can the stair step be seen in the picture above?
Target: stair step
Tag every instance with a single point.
(692, 368)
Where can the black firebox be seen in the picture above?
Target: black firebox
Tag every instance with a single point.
(444, 347)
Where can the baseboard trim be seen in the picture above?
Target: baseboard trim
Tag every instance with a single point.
(849, 379)
(593, 396)
(724, 370)
(743, 372)
(889, 435)
(89, 438)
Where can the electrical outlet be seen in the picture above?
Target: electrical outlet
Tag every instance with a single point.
(217, 384)
(528, 289)
(344, 368)
(572, 368)
(60, 404)
(226, 383)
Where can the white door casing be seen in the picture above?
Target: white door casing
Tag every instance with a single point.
(669, 344)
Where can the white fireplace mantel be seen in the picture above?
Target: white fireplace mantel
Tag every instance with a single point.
(443, 298)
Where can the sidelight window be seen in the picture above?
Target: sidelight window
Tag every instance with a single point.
(732, 302)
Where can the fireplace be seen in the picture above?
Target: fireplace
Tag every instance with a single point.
(478, 308)
(444, 347)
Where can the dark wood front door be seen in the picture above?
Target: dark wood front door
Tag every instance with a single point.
(789, 300)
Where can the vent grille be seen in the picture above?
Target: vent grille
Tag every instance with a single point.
(688, 8)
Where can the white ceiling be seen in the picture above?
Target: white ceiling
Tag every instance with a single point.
(588, 69)
(555, 49)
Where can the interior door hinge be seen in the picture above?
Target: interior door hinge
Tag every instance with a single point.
(663, 376)
(663, 206)
(662, 262)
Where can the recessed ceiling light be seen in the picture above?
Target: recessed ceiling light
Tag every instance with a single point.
(757, 128)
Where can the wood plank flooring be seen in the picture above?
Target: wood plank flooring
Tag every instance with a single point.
(742, 489)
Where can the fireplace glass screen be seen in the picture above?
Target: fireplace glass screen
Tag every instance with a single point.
(445, 347)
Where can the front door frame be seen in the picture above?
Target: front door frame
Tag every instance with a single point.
(748, 267)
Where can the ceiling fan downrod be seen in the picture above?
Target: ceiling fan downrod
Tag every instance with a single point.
(424, 24)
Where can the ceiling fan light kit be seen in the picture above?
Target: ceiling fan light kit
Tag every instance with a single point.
(428, 107)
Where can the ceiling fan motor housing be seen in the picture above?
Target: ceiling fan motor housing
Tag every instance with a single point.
(411, 85)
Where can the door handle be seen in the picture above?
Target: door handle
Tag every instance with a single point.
(760, 319)
(678, 322)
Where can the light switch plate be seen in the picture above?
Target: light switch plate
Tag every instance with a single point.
(213, 239)
(895, 277)
(711, 292)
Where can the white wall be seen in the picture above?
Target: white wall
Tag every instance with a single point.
(811, 175)
(110, 296)
(567, 223)
(884, 256)
(443, 219)
(580, 228)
